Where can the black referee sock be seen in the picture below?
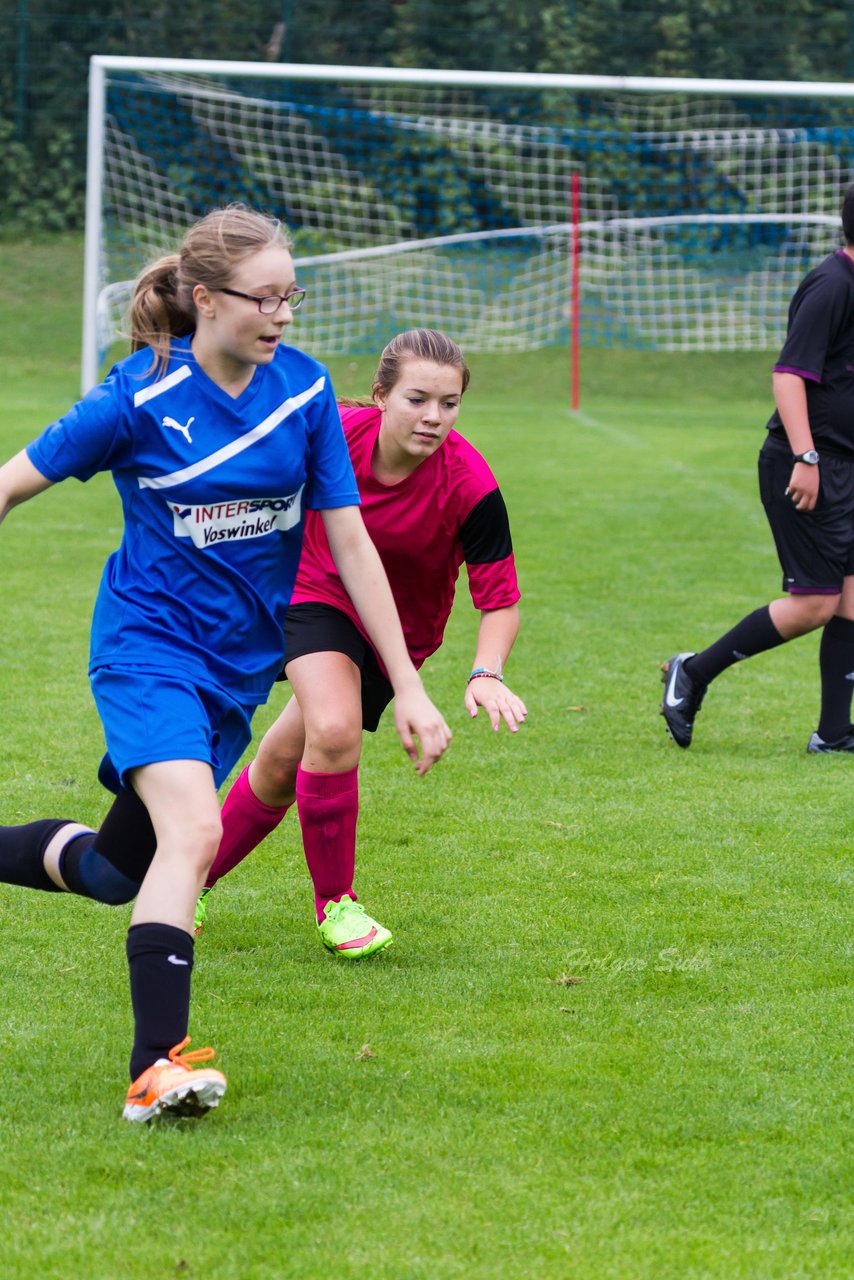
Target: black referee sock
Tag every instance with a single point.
(836, 662)
(754, 634)
(22, 853)
(161, 962)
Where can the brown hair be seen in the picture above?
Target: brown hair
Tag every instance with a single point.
(418, 344)
(162, 306)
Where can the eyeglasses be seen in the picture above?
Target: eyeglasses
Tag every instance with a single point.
(270, 304)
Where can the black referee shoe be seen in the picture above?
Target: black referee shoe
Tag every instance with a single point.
(682, 699)
(817, 745)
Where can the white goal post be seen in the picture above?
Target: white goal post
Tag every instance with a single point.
(443, 197)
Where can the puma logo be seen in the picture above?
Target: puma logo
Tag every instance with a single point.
(176, 426)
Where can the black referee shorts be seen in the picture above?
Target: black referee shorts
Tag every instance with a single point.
(321, 628)
(815, 548)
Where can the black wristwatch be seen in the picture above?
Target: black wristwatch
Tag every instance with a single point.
(810, 457)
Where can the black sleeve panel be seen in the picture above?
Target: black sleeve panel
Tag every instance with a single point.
(485, 532)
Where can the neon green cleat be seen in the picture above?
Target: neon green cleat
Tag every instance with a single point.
(350, 931)
(201, 916)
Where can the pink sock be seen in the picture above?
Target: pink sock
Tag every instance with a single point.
(328, 805)
(245, 823)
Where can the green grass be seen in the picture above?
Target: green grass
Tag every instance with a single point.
(612, 1039)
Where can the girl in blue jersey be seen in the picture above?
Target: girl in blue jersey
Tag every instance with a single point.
(219, 438)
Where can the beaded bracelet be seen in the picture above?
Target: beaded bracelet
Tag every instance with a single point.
(482, 671)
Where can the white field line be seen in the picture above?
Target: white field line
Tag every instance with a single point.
(743, 499)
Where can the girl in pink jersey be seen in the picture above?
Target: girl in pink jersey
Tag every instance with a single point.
(429, 502)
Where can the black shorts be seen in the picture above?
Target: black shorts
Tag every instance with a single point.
(815, 548)
(321, 628)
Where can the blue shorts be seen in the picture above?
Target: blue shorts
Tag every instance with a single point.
(149, 717)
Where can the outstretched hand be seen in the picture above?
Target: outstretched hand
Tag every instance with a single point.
(422, 729)
(499, 703)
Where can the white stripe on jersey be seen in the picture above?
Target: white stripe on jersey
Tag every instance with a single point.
(165, 384)
(284, 410)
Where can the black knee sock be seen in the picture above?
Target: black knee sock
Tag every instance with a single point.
(87, 872)
(126, 837)
(161, 962)
(836, 661)
(109, 865)
(754, 634)
(126, 841)
(22, 853)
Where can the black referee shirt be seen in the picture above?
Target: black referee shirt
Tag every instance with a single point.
(819, 348)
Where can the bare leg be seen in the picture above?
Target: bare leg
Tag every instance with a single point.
(273, 772)
(328, 688)
(181, 799)
(261, 795)
(795, 615)
(55, 847)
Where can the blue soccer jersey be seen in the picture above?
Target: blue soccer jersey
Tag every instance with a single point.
(213, 491)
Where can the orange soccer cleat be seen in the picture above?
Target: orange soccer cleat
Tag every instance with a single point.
(170, 1084)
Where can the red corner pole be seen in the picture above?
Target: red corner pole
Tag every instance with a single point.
(575, 255)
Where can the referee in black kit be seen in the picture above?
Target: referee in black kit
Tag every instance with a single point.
(806, 481)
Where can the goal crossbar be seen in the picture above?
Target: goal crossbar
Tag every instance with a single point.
(482, 79)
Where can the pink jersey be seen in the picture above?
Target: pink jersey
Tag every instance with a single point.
(449, 510)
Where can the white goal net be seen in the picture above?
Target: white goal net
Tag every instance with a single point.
(443, 199)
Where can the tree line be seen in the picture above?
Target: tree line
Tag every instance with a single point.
(44, 58)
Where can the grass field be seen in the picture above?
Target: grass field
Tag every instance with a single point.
(613, 1037)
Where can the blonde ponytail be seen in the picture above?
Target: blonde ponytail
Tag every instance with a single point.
(162, 306)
